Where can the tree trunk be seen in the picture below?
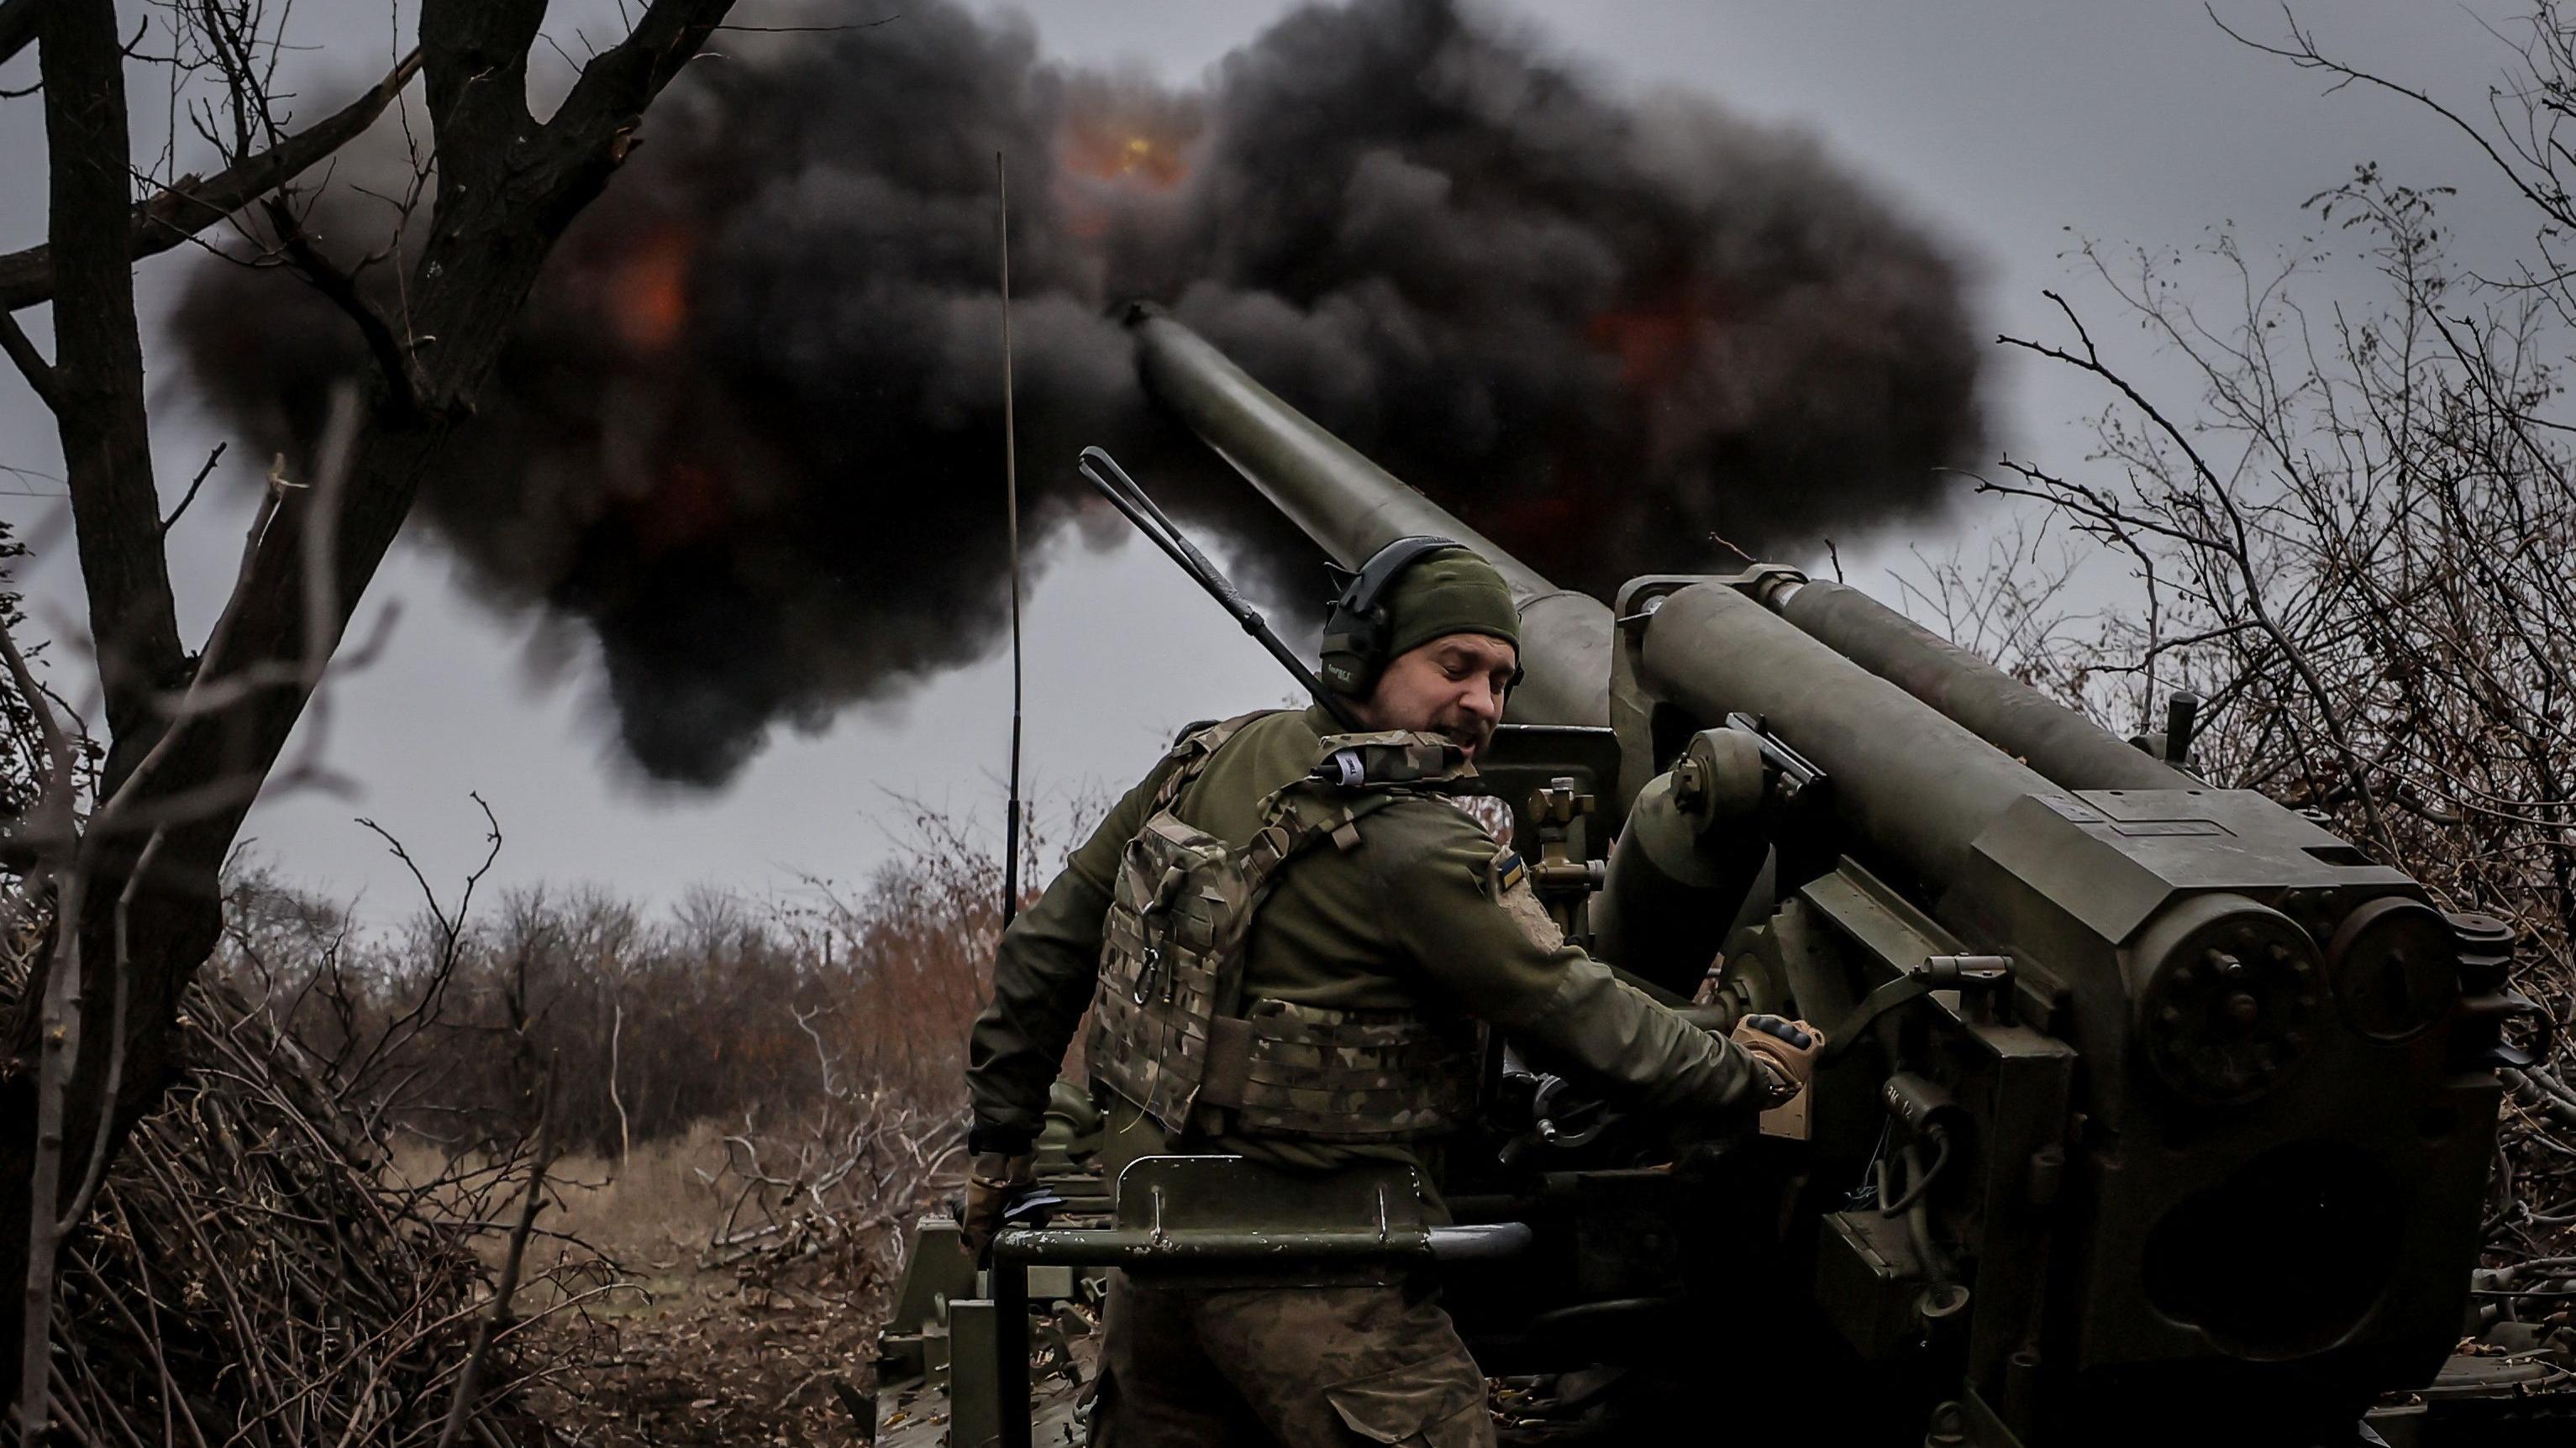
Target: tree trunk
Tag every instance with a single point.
(508, 187)
(97, 397)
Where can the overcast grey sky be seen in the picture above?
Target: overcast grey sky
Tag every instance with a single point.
(2007, 126)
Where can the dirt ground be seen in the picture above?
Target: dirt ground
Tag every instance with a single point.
(709, 1360)
(663, 1349)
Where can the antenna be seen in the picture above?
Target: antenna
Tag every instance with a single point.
(1011, 495)
(1127, 497)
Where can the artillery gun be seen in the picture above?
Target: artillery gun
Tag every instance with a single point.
(2150, 1109)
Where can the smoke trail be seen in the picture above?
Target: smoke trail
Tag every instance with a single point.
(748, 431)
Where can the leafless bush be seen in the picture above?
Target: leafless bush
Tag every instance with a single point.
(249, 1276)
(822, 1033)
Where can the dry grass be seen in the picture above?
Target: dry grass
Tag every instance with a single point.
(660, 1206)
(654, 1216)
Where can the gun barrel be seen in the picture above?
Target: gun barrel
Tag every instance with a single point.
(1913, 782)
(1917, 784)
(2061, 744)
(1353, 507)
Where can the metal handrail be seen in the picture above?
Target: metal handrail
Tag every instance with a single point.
(1016, 1249)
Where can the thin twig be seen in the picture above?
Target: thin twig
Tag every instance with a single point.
(530, 1204)
(194, 484)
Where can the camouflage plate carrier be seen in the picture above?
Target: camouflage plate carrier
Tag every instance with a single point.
(1172, 1031)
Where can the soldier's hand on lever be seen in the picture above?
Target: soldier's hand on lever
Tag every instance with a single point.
(992, 1184)
(1785, 1052)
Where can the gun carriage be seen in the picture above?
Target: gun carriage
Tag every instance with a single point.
(2149, 1108)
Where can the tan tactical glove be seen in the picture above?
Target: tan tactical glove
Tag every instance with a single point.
(991, 1185)
(1784, 1052)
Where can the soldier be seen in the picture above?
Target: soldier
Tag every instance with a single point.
(1278, 894)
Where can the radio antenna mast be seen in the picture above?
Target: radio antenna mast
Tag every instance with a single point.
(1123, 493)
(1011, 497)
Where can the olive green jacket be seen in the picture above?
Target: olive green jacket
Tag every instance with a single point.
(1409, 920)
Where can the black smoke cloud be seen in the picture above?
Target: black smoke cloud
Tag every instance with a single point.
(748, 431)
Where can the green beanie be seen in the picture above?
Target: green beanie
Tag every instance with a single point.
(1451, 591)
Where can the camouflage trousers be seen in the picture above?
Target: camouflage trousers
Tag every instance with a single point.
(1296, 1367)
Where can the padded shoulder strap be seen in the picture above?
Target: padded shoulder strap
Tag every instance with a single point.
(1394, 759)
(1197, 745)
(1356, 775)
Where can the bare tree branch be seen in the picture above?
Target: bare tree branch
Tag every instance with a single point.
(191, 205)
(2304, 52)
(203, 472)
(17, 26)
(396, 363)
(31, 363)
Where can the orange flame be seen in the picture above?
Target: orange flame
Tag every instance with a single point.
(1130, 134)
(1136, 156)
(648, 291)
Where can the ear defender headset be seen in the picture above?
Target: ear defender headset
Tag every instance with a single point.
(1356, 627)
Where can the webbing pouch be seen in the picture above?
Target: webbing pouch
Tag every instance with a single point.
(1289, 1070)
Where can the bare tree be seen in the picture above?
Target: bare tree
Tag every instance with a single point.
(192, 736)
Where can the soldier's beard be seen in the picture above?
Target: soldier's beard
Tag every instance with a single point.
(1426, 712)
